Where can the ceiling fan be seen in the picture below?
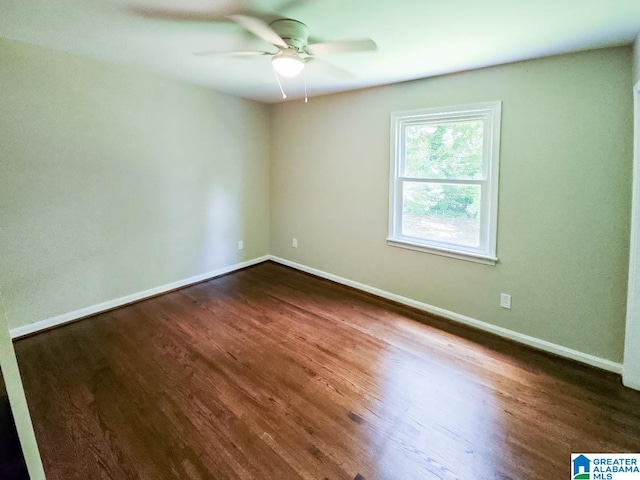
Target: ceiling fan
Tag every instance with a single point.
(291, 38)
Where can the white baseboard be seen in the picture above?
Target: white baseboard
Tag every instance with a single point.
(500, 331)
(556, 349)
(134, 297)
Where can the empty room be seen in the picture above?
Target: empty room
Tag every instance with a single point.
(304, 239)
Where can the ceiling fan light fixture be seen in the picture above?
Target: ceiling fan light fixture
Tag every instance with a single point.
(288, 63)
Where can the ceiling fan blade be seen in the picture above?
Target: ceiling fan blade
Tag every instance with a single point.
(259, 28)
(289, 4)
(363, 45)
(180, 15)
(232, 54)
(214, 10)
(329, 68)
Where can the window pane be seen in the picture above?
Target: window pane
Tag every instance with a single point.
(442, 212)
(445, 150)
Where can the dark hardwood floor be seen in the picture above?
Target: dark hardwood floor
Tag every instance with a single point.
(269, 373)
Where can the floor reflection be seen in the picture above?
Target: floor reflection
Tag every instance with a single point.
(431, 421)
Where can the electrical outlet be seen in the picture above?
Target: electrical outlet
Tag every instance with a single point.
(294, 243)
(505, 300)
(240, 245)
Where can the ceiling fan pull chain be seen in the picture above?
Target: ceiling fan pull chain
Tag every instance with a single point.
(284, 95)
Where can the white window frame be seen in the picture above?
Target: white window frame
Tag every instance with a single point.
(490, 113)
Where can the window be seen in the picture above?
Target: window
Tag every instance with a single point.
(444, 180)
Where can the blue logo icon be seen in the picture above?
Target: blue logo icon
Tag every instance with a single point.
(581, 468)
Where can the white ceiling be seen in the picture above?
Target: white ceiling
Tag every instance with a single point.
(416, 38)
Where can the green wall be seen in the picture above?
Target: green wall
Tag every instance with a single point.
(114, 180)
(564, 207)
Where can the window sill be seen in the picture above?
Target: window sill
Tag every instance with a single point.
(470, 257)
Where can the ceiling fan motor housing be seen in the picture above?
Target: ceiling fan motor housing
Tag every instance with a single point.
(294, 33)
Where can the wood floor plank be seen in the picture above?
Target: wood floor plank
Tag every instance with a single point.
(269, 373)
